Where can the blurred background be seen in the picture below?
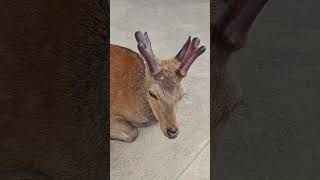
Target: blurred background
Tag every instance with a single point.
(279, 72)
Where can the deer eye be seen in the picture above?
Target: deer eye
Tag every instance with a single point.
(153, 95)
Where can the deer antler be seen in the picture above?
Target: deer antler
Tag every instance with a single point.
(188, 54)
(144, 46)
(240, 18)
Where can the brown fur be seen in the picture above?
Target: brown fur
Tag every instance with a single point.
(131, 103)
(52, 92)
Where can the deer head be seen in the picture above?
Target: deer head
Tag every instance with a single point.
(163, 80)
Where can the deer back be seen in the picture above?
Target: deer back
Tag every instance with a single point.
(127, 75)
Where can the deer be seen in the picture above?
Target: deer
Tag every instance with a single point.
(231, 21)
(53, 90)
(145, 89)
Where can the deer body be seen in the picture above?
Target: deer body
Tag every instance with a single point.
(127, 97)
(144, 89)
(127, 83)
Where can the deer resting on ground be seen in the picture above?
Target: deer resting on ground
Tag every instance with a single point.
(145, 90)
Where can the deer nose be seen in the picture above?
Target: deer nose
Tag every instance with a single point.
(172, 133)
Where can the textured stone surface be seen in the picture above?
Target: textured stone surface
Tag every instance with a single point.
(152, 155)
(200, 168)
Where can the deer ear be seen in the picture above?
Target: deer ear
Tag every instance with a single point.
(183, 50)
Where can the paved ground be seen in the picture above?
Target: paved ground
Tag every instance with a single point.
(153, 156)
(279, 72)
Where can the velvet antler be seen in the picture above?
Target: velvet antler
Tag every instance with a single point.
(188, 54)
(144, 46)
